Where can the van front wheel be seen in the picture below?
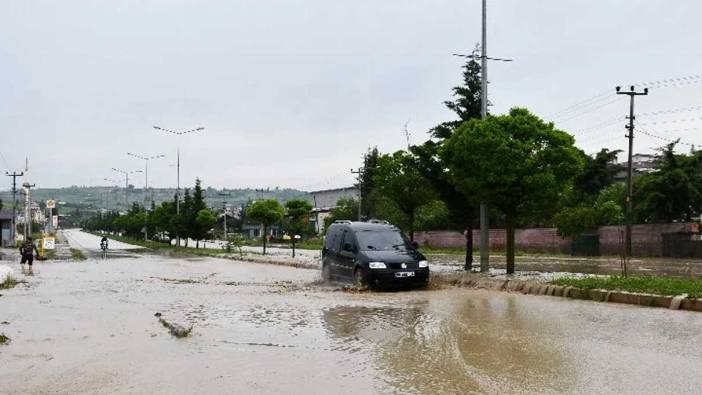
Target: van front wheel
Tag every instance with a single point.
(326, 273)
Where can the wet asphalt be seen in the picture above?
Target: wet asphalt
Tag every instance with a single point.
(90, 327)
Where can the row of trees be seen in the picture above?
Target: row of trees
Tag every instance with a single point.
(526, 170)
(195, 221)
(198, 222)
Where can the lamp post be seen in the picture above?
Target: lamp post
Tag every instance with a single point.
(107, 194)
(126, 174)
(178, 133)
(146, 160)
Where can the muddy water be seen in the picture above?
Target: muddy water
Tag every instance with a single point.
(89, 327)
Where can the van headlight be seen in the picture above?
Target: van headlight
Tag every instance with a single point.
(423, 264)
(377, 265)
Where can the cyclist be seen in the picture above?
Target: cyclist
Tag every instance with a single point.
(103, 245)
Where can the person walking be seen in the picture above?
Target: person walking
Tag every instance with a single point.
(27, 250)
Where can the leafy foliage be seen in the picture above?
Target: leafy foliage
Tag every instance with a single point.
(401, 186)
(346, 209)
(575, 221)
(297, 221)
(267, 212)
(516, 163)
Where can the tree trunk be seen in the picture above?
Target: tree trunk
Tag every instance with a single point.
(411, 226)
(265, 238)
(510, 247)
(197, 243)
(469, 248)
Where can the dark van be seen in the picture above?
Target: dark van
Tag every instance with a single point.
(372, 253)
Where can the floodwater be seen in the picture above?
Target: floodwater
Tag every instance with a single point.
(89, 327)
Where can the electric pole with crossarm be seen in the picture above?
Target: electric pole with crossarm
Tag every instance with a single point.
(629, 184)
(14, 176)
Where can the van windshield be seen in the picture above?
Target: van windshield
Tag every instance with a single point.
(384, 240)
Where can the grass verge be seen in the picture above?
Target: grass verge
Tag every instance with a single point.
(9, 282)
(77, 255)
(668, 286)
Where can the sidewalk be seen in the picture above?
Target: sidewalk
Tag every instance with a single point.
(589, 265)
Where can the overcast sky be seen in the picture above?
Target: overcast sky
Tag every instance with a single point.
(291, 93)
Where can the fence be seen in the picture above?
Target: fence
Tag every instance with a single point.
(647, 239)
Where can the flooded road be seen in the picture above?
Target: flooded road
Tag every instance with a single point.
(89, 327)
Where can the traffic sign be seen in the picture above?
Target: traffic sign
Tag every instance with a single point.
(51, 203)
(49, 243)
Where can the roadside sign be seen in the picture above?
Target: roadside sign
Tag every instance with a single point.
(51, 203)
(54, 221)
(49, 243)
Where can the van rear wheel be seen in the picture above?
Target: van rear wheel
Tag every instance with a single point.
(359, 278)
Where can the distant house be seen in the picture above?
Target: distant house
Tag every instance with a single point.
(640, 163)
(6, 228)
(254, 230)
(325, 201)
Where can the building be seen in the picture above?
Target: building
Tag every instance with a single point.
(325, 200)
(640, 163)
(6, 228)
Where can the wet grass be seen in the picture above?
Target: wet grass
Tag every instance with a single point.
(176, 330)
(77, 255)
(668, 286)
(4, 339)
(9, 282)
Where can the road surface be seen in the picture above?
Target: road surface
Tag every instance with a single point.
(90, 327)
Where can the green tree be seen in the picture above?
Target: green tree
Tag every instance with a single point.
(297, 221)
(346, 209)
(517, 163)
(400, 184)
(673, 192)
(599, 172)
(462, 211)
(205, 220)
(578, 220)
(267, 212)
(367, 184)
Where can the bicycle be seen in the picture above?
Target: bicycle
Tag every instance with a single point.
(103, 247)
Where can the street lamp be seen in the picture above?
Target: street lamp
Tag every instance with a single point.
(126, 174)
(146, 160)
(178, 133)
(107, 194)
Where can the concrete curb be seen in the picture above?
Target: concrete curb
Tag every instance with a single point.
(680, 302)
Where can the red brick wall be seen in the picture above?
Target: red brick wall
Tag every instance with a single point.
(647, 239)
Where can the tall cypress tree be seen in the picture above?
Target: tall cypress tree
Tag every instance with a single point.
(467, 105)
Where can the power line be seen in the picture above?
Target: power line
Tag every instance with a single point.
(589, 110)
(671, 111)
(673, 121)
(585, 102)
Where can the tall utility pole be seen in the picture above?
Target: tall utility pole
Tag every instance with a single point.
(629, 169)
(14, 176)
(177, 133)
(484, 219)
(126, 174)
(27, 210)
(358, 178)
(224, 209)
(146, 160)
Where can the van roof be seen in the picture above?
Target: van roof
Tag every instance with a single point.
(364, 226)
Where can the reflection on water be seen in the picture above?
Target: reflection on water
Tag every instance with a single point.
(451, 346)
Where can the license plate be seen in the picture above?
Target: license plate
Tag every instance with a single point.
(404, 274)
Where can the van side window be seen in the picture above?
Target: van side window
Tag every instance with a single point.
(347, 237)
(332, 240)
